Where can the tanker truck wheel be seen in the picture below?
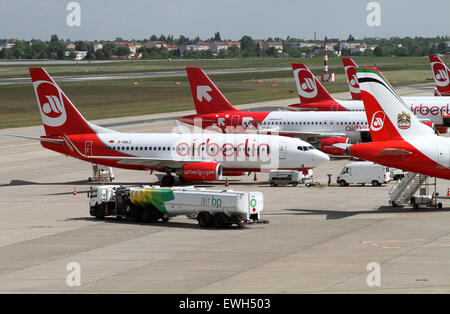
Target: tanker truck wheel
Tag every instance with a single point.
(204, 219)
(221, 220)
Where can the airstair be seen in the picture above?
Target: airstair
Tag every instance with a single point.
(101, 174)
(403, 191)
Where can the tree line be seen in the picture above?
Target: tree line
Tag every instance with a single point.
(249, 48)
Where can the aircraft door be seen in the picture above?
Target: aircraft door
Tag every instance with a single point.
(88, 148)
(282, 151)
(443, 155)
(235, 120)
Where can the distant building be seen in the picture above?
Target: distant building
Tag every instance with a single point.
(80, 55)
(273, 44)
(203, 45)
(216, 46)
(199, 46)
(6, 45)
(132, 48)
(98, 47)
(135, 56)
(155, 44)
(71, 46)
(172, 47)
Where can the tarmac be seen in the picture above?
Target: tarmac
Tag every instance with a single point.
(319, 239)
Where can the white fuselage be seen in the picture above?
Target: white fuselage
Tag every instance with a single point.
(232, 151)
(308, 123)
(429, 108)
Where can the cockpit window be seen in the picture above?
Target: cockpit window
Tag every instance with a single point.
(299, 148)
(311, 147)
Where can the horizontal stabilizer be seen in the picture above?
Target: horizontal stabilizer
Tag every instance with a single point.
(394, 152)
(42, 139)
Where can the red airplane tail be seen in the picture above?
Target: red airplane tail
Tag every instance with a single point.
(58, 114)
(387, 114)
(207, 97)
(441, 74)
(309, 88)
(350, 70)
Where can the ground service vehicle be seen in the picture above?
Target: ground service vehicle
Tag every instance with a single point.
(218, 208)
(362, 173)
(285, 177)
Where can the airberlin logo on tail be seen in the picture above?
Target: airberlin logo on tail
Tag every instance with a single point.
(352, 79)
(51, 103)
(440, 74)
(377, 121)
(306, 83)
(203, 92)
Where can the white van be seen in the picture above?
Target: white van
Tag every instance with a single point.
(364, 172)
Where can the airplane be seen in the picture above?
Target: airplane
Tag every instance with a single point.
(433, 111)
(193, 157)
(328, 130)
(441, 75)
(400, 140)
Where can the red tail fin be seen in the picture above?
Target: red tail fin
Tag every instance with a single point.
(350, 70)
(58, 114)
(309, 88)
(207, 97)
(441, 74)
(387, 115)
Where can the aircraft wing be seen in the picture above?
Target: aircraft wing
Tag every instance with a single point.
(300, 134)
(343, 146)
(394, 152)
(157, 162)
(311, 134)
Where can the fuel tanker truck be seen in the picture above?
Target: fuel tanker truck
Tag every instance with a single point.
(211, 208)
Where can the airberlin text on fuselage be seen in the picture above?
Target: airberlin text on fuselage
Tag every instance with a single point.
(212, 149)
(434, 110)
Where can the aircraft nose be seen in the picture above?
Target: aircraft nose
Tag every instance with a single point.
(320, 157)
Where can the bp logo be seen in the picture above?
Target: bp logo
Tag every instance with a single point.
(404, 120)
(253, 203)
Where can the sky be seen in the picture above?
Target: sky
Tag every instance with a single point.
(260, 19)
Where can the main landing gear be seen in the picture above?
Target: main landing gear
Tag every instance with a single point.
(167, 180)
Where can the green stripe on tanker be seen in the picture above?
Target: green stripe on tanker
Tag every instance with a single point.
(152, 197)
